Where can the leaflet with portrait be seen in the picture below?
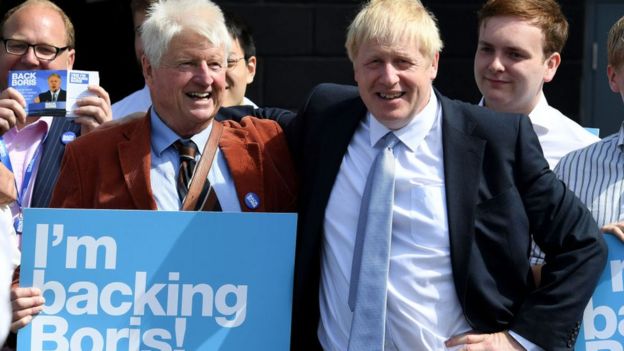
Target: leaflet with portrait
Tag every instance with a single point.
(52, 92)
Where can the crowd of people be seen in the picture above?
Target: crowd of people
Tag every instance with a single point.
(459, 234)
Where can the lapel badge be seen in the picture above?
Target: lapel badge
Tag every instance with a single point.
(252, 200)
(68, 137)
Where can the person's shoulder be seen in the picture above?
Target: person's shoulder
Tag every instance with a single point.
(253, 127)
(109, 133)
(608, 144)
(472, 116)
(568, 127)
(334, 92)
(138, 101)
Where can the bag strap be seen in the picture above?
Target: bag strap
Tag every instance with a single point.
(200, 176)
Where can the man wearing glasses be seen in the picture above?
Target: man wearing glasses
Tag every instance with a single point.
(241, 62)
(38, 35)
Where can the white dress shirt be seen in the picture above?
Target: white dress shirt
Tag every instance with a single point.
(558, 135)
(139, 101)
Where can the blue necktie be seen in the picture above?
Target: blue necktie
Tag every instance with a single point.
(369, 272)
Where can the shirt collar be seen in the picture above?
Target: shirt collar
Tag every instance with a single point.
(42, 123)
(163, 136)
(414, 132)
(621, 137)
(539, 115)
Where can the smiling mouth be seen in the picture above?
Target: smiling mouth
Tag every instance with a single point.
(390, 96)
(199, 96)
(495, 81)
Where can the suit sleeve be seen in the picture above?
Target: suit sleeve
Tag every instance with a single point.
(68, 191)
(575, 251)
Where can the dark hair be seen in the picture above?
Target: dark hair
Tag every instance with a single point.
(140, 5)
(239, 30)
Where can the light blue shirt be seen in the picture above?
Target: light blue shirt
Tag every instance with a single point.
(166, 161)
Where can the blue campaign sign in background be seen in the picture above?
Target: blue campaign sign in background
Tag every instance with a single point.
(152, 280)
(603, 320)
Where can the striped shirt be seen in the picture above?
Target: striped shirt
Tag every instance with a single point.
(596, 175)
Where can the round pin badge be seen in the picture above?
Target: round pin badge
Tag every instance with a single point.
(252, 200)
(68, 137)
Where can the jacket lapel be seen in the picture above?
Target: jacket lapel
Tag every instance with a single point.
(136, 150)
(245, 166)
(463, 157)
(50, 164)
(338, 129)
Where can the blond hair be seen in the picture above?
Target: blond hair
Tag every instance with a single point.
(394, 22)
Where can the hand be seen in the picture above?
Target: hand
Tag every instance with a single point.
(616, 229)
(8, 193)
(482, 342)
(26, 303)
(93, 111)
(12, 111)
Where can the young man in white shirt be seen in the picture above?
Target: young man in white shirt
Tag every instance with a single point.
(519, 49)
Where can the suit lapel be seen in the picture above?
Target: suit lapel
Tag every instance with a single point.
(136, 150)
(245, 166)
(51, 156)
(337, 130)
(463, 157)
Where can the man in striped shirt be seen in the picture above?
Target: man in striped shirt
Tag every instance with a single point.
(596, 173)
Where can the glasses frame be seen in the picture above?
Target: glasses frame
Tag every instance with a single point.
(34, 46)
(231, 63)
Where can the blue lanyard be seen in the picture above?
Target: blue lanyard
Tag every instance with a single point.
(4, 157)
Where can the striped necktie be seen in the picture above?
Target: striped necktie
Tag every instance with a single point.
(187, 150)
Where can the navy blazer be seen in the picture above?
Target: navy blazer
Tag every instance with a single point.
(499, 189)
(51, 156)
(47, 96)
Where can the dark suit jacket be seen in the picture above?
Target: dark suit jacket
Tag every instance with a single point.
(47, 96)
(499, 189)
(50, 164)
(110, 167)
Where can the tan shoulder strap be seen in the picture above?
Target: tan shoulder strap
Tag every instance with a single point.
(200, 176)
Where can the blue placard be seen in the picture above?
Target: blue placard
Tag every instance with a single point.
(152, 280)
(603, 319)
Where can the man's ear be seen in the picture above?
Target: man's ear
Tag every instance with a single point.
(551, 63)
(147, 68)
(612, 73)
(435, 60)
(71, 57)
(251, 68)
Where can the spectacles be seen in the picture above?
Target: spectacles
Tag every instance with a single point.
(43, 52)
(231, 63)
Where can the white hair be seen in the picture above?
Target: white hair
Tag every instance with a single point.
(168, 18)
